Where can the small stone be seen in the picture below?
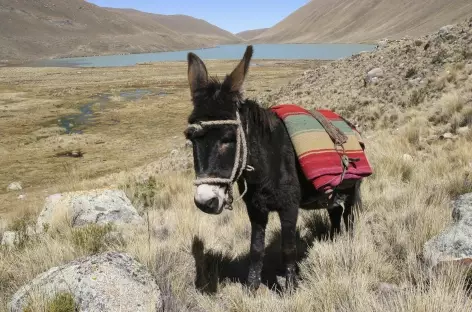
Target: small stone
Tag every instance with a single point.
(376, 72)
(188, 144)
(14, 186)
(9, 239)
(447, 136)
(22, 197)
(407, 158)
(174, 153)
(463, 131)
(446, 29)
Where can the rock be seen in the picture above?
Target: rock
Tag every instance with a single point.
(14, 186)
(9, 239)
(445, 29)
(174, 153)
(455, 242)
(22, 197)
(107, 282)
(376, 72)
(188, 144)
(463, 131)
(374, 80)
(407, 158)
(447, 136)
(382, 44)
(81, 208)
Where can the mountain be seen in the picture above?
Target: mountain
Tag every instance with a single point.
(184, 25)
(52, 28)
(354, 21)
(251, 34)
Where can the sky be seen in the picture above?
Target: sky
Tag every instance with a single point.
(234, 16)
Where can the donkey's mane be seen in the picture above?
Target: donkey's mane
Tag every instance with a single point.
(261, 120)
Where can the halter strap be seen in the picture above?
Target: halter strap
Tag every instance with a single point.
(241, 156)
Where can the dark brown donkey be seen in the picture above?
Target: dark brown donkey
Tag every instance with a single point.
(237, 141)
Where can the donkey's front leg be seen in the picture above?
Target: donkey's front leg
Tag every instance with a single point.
(258, 225)
(288, 220)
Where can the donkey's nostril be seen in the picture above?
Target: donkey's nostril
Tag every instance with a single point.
(213, 204)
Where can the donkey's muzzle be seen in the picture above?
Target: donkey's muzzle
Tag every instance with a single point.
(210, 198)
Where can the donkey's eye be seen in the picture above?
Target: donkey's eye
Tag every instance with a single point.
(228, 140)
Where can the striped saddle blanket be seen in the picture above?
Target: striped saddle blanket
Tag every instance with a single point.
(320, 159)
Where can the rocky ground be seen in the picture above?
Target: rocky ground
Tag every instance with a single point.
(410, 252)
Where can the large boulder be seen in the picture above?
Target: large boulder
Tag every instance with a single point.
(107, 282)
(454, 244)
(91, 207)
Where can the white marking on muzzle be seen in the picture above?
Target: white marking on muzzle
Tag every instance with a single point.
(206, 192)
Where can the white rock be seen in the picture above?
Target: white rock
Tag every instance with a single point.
(9, 239)
(448, 136)
(107, 282)
(81, 208)
(445, 29)
(22, 197)
(376, 72)
(14, 186)
(463, 131)
(407, 158)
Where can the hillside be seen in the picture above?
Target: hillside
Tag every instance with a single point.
(49, 28)
(187, 26)
(355, 21)
(251, 34)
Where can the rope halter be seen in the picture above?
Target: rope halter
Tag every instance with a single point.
(240, 161)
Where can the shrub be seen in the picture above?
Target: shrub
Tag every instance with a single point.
(91, 238)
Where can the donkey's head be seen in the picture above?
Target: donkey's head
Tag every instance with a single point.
(215, 131)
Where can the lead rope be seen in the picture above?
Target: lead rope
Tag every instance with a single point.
(241, 146)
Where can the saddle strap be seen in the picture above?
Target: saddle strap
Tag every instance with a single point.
(334, 133)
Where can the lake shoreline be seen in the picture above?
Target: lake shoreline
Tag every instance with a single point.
(263, 52)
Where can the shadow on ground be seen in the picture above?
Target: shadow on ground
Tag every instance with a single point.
(213, 267)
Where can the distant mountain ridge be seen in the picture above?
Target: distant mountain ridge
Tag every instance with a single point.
(51, 28)
(251, 34)
(365, 21)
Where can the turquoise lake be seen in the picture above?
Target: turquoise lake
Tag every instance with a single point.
(224, 52)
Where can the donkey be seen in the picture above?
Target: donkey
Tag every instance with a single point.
(235, 140)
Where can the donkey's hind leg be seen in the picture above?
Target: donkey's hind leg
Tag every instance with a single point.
(352, 201)
(335, 212)
(342, 206)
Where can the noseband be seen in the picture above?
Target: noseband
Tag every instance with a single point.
(240, 161)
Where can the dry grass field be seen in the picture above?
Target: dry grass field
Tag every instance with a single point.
(197, 258)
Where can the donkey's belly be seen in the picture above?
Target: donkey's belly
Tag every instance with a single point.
(314, 202)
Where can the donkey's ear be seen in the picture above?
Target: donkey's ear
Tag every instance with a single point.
(235, 81)
(197, 73)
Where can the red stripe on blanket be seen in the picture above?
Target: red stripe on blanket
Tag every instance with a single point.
(323, 166)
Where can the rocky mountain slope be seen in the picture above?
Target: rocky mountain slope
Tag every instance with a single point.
(251, 34)
(431, 74)
(354, 21)
(51, 28)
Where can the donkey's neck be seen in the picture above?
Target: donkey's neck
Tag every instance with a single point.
(260, 124)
